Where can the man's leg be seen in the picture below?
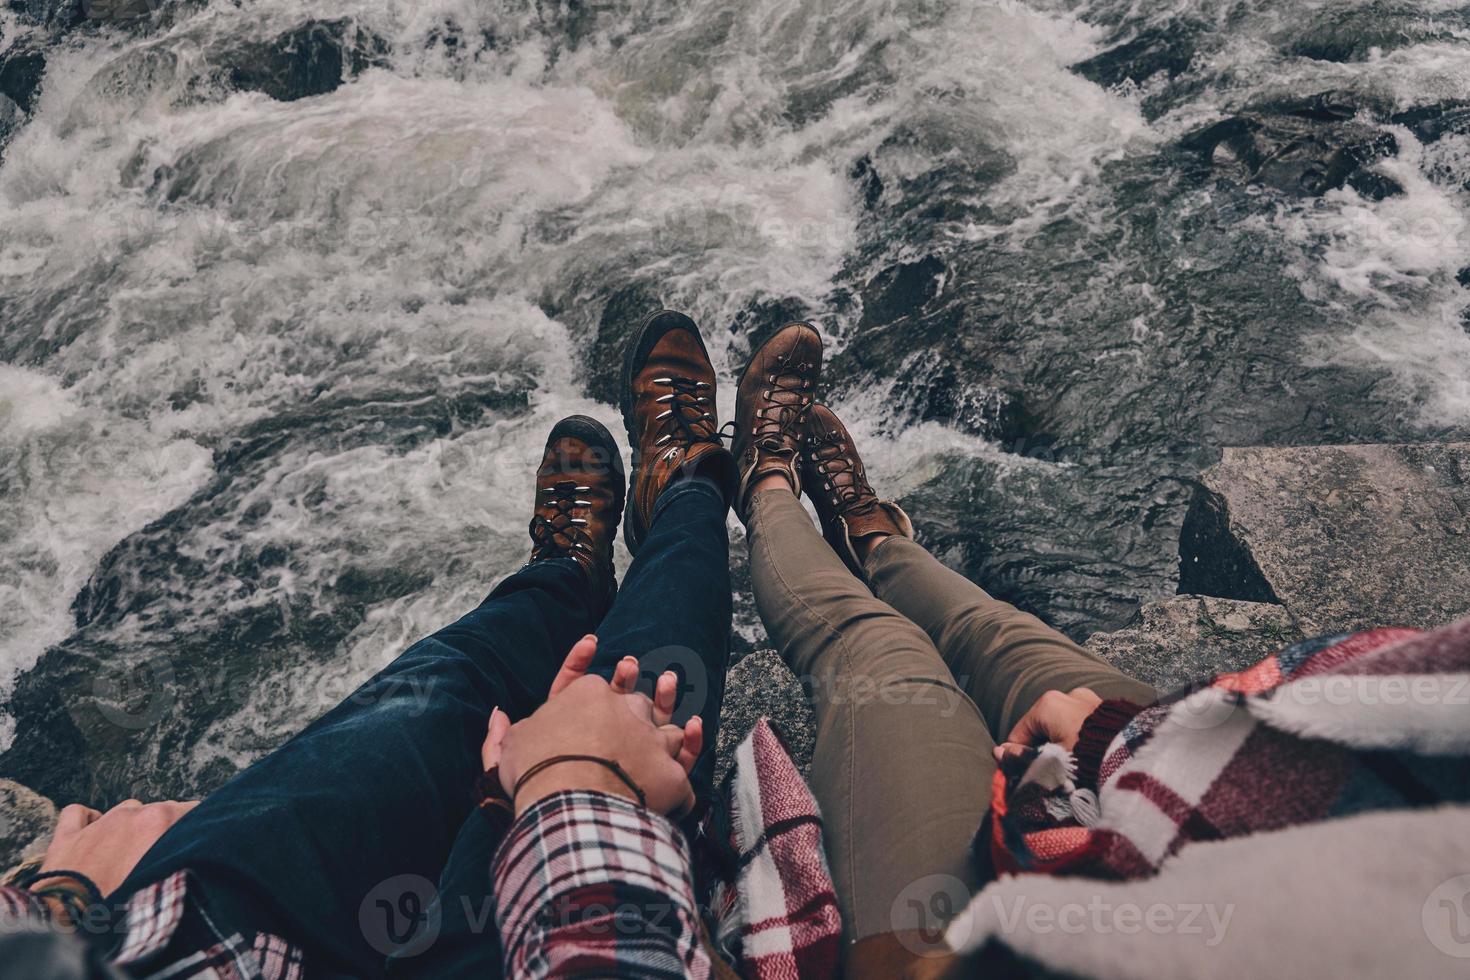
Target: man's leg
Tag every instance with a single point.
(902, 764)
(303, 842)
(1004, 658)
(673, 612)
(335, 839)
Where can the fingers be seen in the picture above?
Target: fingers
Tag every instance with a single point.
(665, 697)
(1008, 750)
(692, 743)
(1027, 729)
(686, 805)
(74, 817)
(495, 733)
(579, 660)
(625, 676)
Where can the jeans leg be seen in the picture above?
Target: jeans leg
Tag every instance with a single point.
(673, 611)
(366, 801)
(1004, 658)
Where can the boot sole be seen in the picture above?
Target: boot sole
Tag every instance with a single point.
(634, 355)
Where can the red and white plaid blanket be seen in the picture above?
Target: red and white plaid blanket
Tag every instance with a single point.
(777, 917)
(1328, 728)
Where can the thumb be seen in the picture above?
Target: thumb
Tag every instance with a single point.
(494, 737)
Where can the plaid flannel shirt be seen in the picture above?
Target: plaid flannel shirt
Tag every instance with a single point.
(591, 884)
(166, 934)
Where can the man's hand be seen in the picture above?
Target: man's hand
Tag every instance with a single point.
(586, 715)
(1055, 717)
(107, 846)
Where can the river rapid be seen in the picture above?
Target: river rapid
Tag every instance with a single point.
(289, 298)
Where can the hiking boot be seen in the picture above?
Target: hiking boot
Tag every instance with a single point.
(771, 404)
(668, 402)
(838, 487)
(579, 500)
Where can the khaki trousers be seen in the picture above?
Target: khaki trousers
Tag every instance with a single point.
(914, 677)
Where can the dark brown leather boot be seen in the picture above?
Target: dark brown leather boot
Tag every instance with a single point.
(838, 487)
(668, 401)
(771, 404)
(579, 501)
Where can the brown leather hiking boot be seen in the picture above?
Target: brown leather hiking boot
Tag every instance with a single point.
(838, 487)
(668, 402)
(771, 404)
(579, 500)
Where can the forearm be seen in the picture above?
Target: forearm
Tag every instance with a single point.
(592, 883)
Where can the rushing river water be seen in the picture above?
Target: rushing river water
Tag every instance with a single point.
(274, 371)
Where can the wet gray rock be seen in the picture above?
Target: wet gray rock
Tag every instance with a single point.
(1300, 147)
(21, 70)
(1169, 49)
(1177, 641)
(1343, 32)
(119, 10)
(602, 359)
(26, 821)
(1345, 537)
(762, 686)
(309, 60)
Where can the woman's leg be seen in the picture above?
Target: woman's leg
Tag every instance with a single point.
(902, 764)
(1003, 658)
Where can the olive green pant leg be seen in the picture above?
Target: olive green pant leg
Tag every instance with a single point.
(902, 764)
(1002, 657)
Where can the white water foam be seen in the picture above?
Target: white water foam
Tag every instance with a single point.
(182, 267)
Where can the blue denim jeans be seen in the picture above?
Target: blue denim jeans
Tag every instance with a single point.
(356, 839)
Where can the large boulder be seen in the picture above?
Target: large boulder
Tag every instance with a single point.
(762, 686)
(26, 821)
(1187, 638)
(1345, 537)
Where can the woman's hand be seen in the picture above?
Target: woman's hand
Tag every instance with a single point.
(1055, 717)
(107, 846)
(585, 715)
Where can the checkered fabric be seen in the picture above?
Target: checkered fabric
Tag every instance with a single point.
(778, 917)
(590, 884)
(151, 922)
(1327, 728)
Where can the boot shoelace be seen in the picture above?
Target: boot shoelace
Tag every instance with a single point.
(830, 454)
(689, 409)
(772, 433)
(561, 533)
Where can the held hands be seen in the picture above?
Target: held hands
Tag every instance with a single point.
(106, 846)
(1055, 717)
(586, 715)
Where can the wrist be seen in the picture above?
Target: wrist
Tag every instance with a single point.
(566, 776)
